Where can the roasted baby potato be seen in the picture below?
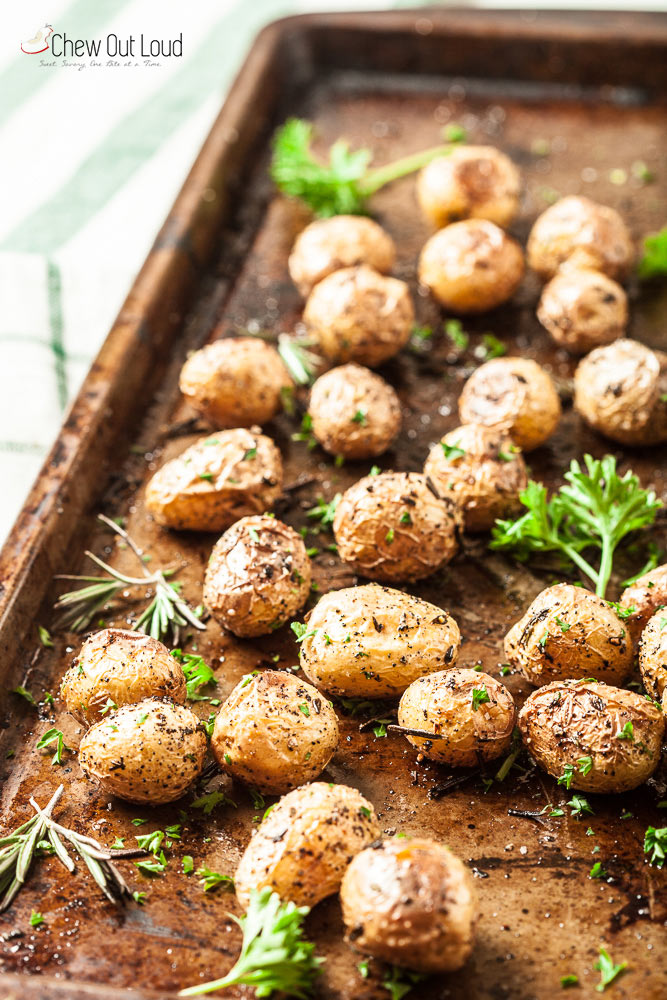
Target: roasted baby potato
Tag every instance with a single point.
(354, 412)
(515, 395)
(621, 391)
(471, 182)
(372, 641)
(357, 314)
(235, 382)
(653, 655)
(258, 576)
(641, 599)
(583, 309)
(119, 667)
(578, 233)
(410, 902)
(150, 752)
(567, 633)
(482, 470)
(216, 481)
(470, 715)
(471, 266)
(393, 526)
(327, 245)
(303, 846)
(601, 738)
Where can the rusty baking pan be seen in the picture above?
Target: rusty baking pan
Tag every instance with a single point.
(594, 88)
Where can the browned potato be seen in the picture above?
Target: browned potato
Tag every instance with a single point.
(471, 266)
(327, 245)
(471, 182)
(216, 481)
(410, 902)
(470, 715)
(642, 599)
(515, 395)
(258, 576)
(303, 846)
(354, 412)
(621, 391)
(482, 470)
(357, 314)
(150, 752)
(653, 655)
(394, 527)
(372, 641)
(235, 382)
(583, 309)
(567, 633)
(119, 667)
(604, 738)
(578, 232)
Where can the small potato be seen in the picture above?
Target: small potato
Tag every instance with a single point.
(354, 412)
(372, 641)
(150, 752)
(357, 314)
(653, 655)
(275, 732)
(605, 738)
(470, 714)
(410, 902)
(482, 470)
(642, 599)
(216, 481)
(583, 309)
(327, 245)
(393, 526)
(578, 233)
(258, 576)
(119, 667)
(568, 633)
(621, 391)
(302, 848)
(471, 266)
(515, 395)
(472, 182)
(235, 382)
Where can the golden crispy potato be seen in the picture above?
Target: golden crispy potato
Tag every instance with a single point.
(235, 382)
(354, 412)
(150, 752)
(327, 245)
(482, 470)
(641, 599)
(357, 314)
(275, 732)
(568, 633)
(372, 641)
(410, 902)
(216, 481)
(578, 233)
(471, 266)
(653, 655)
(583, 309)
(621, 391)
(606, 739)
(512, 394)
(258, 576)
(303, 846)
(119, 667)
(471, 182)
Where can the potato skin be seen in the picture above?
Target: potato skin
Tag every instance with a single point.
(568, 720)
(410, 902)
(123, 667)
(327, 245)
(150, 752)
(643, 598)
(485, 481)
(442, 704)
(235, 382)
(394, 527)
(577, 232)
(393, 638)
(569, 633)
(653, 655)
(216, 481)
(257, 577)
(583, 309)
(512, 394)
(471, 266)
(354, 412)
(472, 182)
(356, 314)
(302, 848)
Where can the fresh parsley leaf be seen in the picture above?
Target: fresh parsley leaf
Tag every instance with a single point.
(569, 980)
(399, 982)
(580, 806)
(566, 776)
(324, 512)
(626, 733)
(45, 637)
(653, 263)
(207, 803)
(456, 333)
(655, 844)
(24, 694)
(597, 871)
(491, 347)
(214, 880)
(54, 736)
(585, 765)
(608, 971)
(452, 450)
(36, 918)
(188, 864)
(197, 673)
(479, 696)
(359, 418)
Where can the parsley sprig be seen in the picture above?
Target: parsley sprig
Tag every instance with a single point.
(655, 844)
(653, 263)
(197, 673)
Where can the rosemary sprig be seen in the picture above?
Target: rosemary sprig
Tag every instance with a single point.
(300, 362)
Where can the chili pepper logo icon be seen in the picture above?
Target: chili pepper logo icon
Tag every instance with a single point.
(39, 43)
